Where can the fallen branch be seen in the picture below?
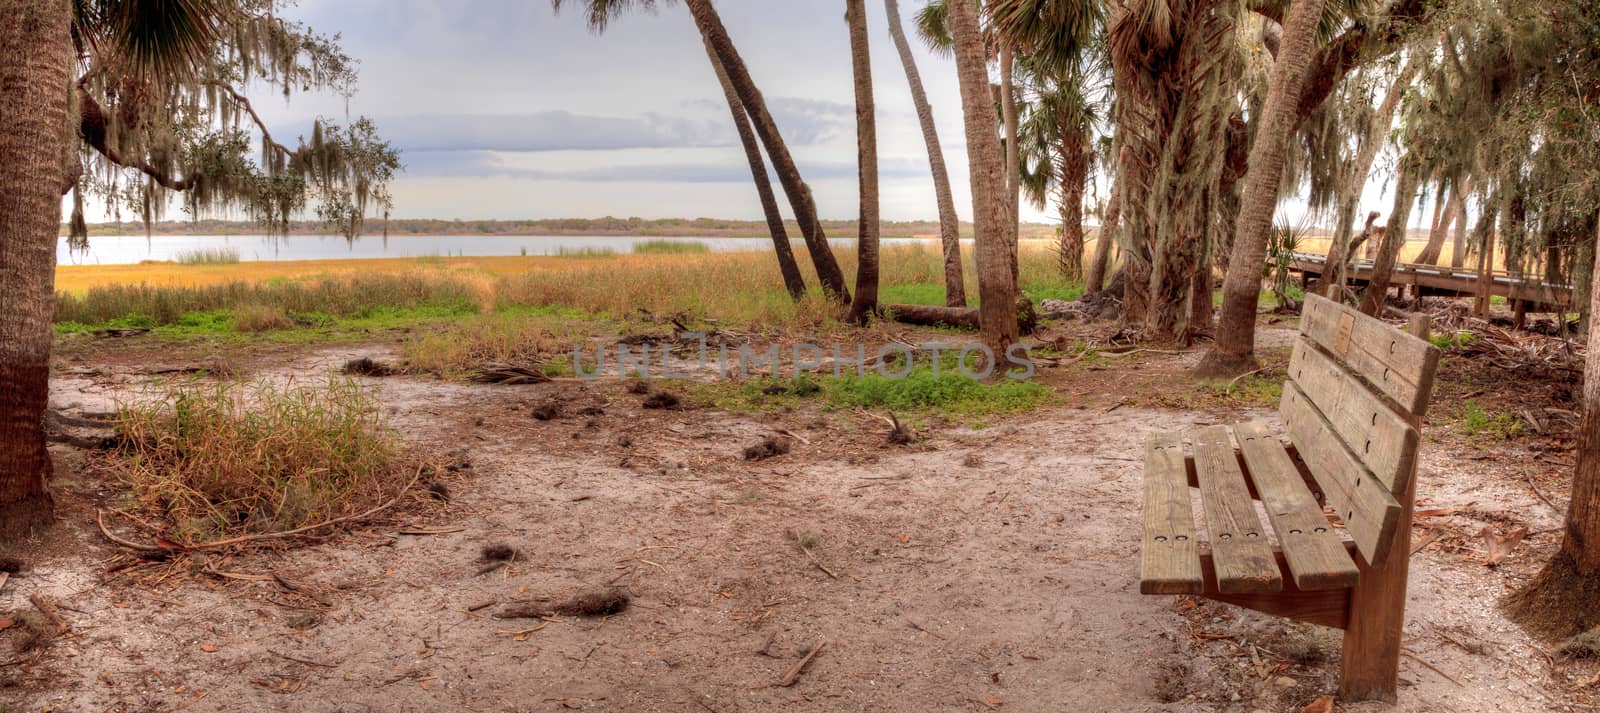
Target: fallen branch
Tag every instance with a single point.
(793, 676)
(307, 662)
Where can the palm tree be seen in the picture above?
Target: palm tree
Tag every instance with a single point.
(1055, 144)
(600, 13)
(955, 293)
(800, 199)
(866, 300)
(991, 217)
(35, 71)
(792, 279)
(1241, 289)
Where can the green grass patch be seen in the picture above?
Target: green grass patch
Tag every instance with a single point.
(1481, 426)
(911, 294)
(585, 252)
(671, 247)
(207, 256)
(1454, 341)
(1258, 390)
(949, 392)
(1063, 291)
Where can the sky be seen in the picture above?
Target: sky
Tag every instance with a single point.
(503, 109)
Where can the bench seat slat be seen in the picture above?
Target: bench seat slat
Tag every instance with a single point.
(1317, 559)
(1369, 511)
(1169, 556)
(1375, 432)
(1240, 547)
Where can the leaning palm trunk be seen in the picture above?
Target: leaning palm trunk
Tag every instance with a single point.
(1073, 167)
(955, 292)
(991, 218)
(1102, 245)
(800, 199)
(866, 162)
(1394, 238)
(792, 279)
(35, 61)
(1241, 289)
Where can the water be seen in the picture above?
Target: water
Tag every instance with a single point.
(132, 249)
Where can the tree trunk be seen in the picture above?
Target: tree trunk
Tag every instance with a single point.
(1444, 213)
(955, 292)
(1073, 170)
(866, 163)
(1008, 111)
(992, 220)
(1394, 238)
(1458, 251)
(1103, 240)
(792, 279)
(1233, 350)
(800, 199)
(1560, 601)
(35, 64)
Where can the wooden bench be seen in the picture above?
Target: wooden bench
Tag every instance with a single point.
(1356, 393)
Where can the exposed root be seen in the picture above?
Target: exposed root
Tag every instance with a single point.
(663, 400)
(767, 448)
(367, 366)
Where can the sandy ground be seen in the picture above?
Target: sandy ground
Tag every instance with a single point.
(990, 568)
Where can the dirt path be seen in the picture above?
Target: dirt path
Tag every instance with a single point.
(987, 569)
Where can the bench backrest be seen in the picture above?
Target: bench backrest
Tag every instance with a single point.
(1356, 393)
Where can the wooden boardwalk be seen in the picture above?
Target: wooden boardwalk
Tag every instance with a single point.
(1538, 295)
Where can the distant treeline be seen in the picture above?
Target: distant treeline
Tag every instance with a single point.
(664, 227)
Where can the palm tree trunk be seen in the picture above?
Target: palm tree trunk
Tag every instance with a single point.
(955, 292)
(1074, 170)
(866, 300)
(1394, 238)
(800, 199)
(1008, 111)
(1103, 240)
(792, 279)
(35, 61)
(992, 220)
(1233, 351)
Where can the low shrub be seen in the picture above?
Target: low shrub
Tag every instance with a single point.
(221, 458)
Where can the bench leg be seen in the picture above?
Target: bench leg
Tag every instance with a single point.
(1370, 666)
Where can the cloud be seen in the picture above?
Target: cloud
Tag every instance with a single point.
(804, 122)
(478, 164)
(549, 131)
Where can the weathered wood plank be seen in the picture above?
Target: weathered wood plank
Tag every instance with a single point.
(1398, 364)
(1170, 557)
(1326, 607)
(1239, 543)
(1381, 437)
(1369, 511)
(1316, 557)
